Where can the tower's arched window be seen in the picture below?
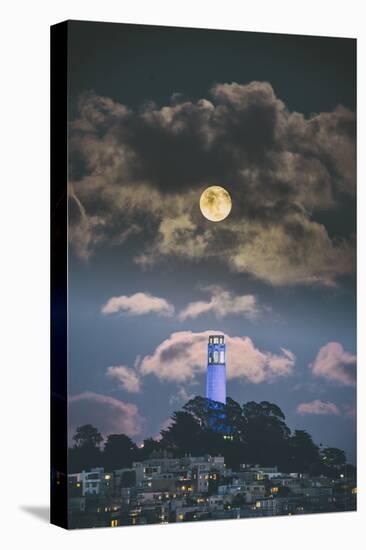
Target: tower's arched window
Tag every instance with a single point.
(216, 356)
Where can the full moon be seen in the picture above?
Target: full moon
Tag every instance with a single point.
(215, 203)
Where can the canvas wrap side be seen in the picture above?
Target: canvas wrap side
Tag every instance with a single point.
(59, 57)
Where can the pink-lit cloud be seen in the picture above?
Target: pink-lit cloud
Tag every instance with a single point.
(318, 407)
(127, 377)
(335, 364)
(107, 414)
(183, 356)
(221, 304)
(140, 303)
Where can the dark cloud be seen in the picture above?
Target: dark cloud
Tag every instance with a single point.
(243, 137)
(148, 168)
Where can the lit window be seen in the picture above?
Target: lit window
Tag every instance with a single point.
(114, 522)
(216, 340)
(107, 476)
(222, 357)
(216, 356)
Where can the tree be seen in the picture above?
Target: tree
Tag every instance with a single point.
(331, 456)
(149, 447)
(213, 415)
(87, 435)
(184, 435)
(234, 418)
(85, 453)
(119, 451)
(265, 434)
(304, 453)
(262, 409)
(200, 408)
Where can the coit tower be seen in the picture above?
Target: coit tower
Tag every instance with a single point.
(216, 369)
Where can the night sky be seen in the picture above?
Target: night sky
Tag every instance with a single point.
(156, 116)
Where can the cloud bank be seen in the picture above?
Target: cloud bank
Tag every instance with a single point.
(282, 170)
(183, 356)
(106, 413)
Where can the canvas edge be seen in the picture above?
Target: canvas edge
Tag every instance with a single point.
(59, 354)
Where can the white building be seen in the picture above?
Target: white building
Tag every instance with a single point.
(93, 482)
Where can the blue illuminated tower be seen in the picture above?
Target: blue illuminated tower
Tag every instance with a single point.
(216, 369)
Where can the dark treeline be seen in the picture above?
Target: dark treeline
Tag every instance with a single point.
(255, 433)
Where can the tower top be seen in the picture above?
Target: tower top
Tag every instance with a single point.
(216, 339)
